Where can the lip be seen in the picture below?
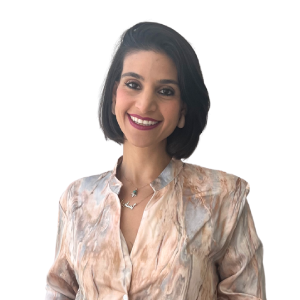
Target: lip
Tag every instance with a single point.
(139, 117)
(141, 127)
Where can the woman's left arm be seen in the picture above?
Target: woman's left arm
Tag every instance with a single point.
(240, 269)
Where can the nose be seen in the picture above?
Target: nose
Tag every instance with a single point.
(146, 102)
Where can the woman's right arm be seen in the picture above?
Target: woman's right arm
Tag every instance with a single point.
(61, 280)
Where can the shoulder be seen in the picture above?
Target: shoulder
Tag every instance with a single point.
(220, 194)
(75, 189)
(200, 179)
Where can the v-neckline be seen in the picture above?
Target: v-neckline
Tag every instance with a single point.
(170, 172)
(139, 229)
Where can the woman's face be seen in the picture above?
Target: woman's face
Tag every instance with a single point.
(148, 88)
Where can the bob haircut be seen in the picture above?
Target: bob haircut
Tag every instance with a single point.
(151, 36)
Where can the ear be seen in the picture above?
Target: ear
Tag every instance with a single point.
(114, 96)
(183, 110)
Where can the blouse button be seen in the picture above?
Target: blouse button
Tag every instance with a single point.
(125, 297)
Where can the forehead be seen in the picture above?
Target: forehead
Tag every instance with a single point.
(150, 64)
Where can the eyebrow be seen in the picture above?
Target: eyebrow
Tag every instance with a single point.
(162, 81)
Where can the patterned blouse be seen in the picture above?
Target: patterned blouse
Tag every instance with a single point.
(196, 240)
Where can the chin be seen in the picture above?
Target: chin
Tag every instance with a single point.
(142, 144)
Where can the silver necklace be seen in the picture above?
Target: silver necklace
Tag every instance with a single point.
(133, 205)
(135, 191)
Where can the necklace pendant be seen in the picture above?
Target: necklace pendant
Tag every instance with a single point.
(127, 204)
(130, 206)
(134, 193)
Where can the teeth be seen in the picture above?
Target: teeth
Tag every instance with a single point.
(142, 122)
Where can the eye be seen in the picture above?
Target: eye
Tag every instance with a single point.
(167, 92)
(131, 84)
(134, 86)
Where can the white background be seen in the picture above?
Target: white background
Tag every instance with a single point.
(54, 59)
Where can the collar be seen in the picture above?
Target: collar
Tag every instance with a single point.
(166, 176)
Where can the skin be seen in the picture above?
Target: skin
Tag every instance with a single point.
(146, 98)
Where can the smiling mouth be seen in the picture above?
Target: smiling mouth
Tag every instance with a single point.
(143, 122)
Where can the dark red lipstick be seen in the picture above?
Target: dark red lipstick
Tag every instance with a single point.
(143, 127)
(139, 117)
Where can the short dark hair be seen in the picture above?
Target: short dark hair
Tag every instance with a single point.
(160, 38)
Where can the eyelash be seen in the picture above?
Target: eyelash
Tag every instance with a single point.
(128, 82)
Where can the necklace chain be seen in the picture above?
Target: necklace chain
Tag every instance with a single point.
(135, 204)
(133, 194)
(132, 182)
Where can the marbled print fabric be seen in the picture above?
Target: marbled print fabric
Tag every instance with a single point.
(196, 241)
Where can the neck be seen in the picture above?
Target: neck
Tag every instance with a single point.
(142, 165)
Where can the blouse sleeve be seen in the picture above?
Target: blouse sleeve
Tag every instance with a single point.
(61, 281)
(241, 270)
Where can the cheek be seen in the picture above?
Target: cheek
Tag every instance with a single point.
(122, 98)
(171, 112)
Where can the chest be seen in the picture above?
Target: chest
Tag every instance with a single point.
(168, 250)
(130, 222)
(132, 209)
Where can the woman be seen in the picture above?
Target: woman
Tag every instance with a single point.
(155, 227)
